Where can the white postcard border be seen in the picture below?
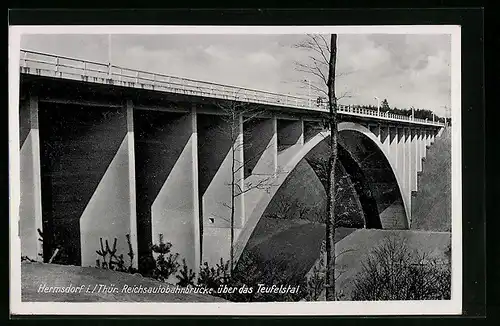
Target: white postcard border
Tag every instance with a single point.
(448, 307)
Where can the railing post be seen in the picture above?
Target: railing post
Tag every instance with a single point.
(57, 65)
(137, 77)
(84, 68)
(24, 59)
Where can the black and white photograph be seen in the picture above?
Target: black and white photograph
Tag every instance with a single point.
(314, 170)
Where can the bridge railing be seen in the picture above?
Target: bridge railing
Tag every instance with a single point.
(38, 63)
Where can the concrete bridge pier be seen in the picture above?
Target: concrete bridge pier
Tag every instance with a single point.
(376, 130)
(167, 182)
(413, 158)
(429, 138)
(419, 150)
(260, 158)
(30, 207)
(82, 165)
(111, 210)
(399, 148)
(290, 139)
(433, 135)
(216, 155)
(405, 142)
(424, 144)
(440, 131)
(385, 139)
(394, 148)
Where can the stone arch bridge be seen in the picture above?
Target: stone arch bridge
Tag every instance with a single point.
(108, 152)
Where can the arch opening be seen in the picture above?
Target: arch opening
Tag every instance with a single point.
(371, 178)
(380, 177)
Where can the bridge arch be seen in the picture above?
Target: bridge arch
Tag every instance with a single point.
(343, 128)
(354, 127)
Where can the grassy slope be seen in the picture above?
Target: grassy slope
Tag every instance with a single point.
(431, 206)
(288, 249)
(35, 274)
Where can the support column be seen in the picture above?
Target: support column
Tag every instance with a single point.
(406, 164)
(30, 206)
(167, 182)
(275, 141)
(384, 136)
(398, 150)
(394, 150)
(131, 179)
(301, 137)
(215, 174)
(424, 143)
(260, 158)
(414, 159)
(419, 150)
(197, 222)
(375, 129)
(111, 211)
(175, 210)
(440, 131)
(290, 139)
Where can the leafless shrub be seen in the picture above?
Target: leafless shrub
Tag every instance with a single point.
(393, 271)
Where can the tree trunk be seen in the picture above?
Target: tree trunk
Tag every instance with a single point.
(233, 140)
(332, 160)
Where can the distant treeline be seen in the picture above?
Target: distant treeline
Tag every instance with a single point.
(419, 113)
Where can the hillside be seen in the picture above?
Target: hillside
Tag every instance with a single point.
(358, 246)
(431, 204)
(286, 251)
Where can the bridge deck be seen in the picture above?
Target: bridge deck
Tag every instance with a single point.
(42, 64)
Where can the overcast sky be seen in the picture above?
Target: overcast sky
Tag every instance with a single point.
(408, 70)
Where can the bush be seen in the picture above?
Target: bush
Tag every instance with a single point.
(392, 271)
(166, 262)
(114, 262)
(186, 276)
(160, 268)
(315, 284)
(213, 277)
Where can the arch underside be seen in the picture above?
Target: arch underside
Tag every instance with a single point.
(368, 192)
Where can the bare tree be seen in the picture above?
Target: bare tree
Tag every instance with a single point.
(317, 68)
(322, 66)
(282, 209)
(235, 114)
(316, 278)
(286, 209)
